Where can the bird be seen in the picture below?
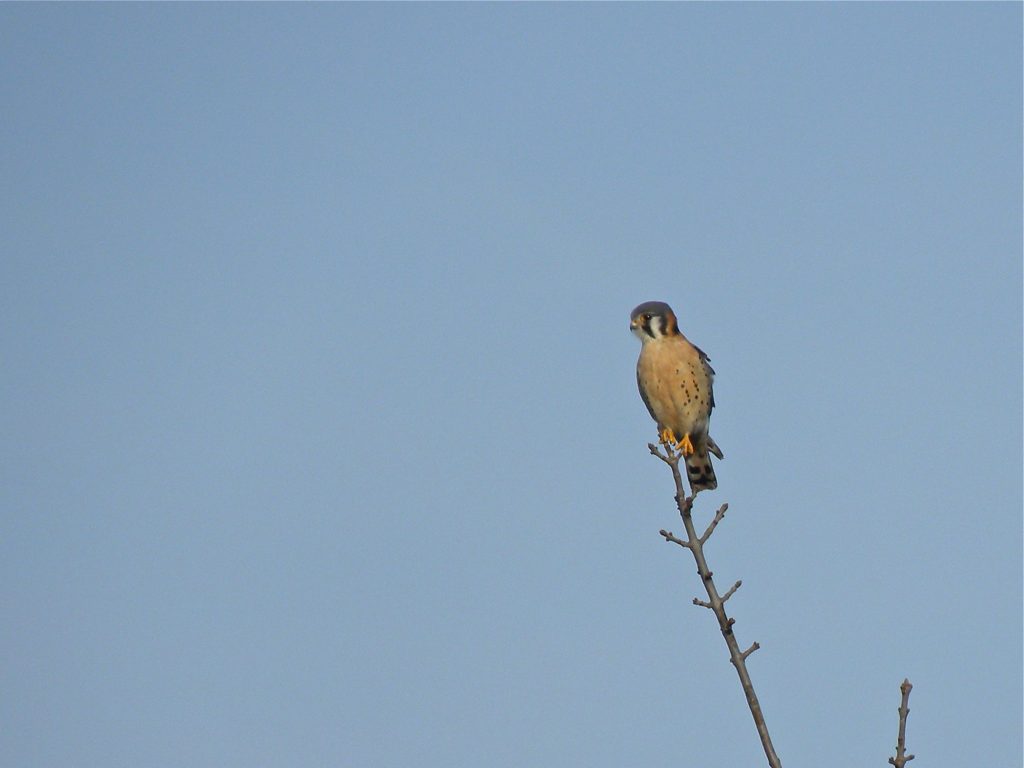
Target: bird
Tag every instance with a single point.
(675, 379)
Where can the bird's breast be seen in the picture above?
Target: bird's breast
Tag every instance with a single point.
(674, 383)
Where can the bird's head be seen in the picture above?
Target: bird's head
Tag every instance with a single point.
(653, 320)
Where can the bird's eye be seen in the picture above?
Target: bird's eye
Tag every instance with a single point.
(647, 317)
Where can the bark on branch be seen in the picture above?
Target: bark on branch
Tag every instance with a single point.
(902, 758)
(716, 602)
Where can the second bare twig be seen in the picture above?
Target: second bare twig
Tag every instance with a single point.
(902, 758)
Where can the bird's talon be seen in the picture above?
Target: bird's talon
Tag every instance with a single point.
(686, 446)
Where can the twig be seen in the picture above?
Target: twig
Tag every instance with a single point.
(732, 590)
(716, 602)
(902, 758)
(669, 537)
(714, 523)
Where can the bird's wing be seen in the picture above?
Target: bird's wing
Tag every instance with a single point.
(713, 447)
(711, 375)
(643, 396)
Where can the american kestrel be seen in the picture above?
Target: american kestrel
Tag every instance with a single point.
(675, 381)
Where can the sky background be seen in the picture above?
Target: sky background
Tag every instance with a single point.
(320, 437)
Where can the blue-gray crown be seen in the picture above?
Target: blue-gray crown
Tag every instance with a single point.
(655, 308)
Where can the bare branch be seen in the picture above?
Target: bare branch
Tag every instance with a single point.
(902, 758)
(669, 537)
(732, 590)
(714, 523)
(715, 602)
(655, 452)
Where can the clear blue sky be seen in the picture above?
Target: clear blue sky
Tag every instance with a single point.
(320, 438)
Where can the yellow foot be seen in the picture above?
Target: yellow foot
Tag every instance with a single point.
(684, 446)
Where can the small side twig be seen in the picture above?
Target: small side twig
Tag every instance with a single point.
(732, 590)
(902, 758)
(669, 537)
(714, 523)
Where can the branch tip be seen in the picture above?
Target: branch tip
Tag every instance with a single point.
(714, 523)
(669, 537)
(902, 758)
(732, 590)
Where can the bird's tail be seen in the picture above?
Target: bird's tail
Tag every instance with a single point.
(699, 471)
